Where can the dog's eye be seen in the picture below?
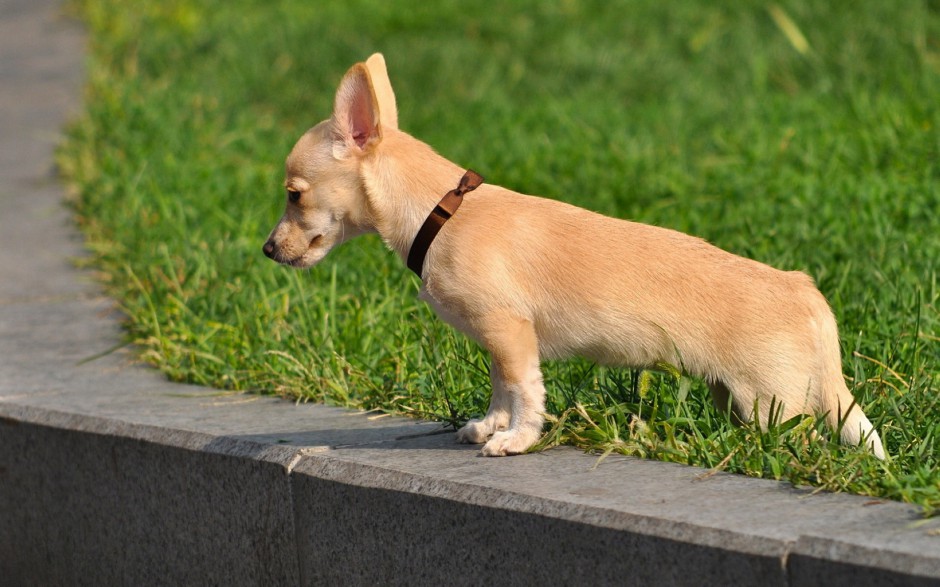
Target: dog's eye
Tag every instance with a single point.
(293, 196)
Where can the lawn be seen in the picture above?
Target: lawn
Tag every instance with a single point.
(802, 134)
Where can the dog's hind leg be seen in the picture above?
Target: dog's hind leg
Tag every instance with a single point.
(497, 416)
(721, 396)
(518, 387)
(741, 399)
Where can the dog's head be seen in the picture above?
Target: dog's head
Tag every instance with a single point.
(326, 199)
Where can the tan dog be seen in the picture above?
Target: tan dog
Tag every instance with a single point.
(531, 278)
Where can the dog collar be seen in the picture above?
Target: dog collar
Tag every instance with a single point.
(470, 181)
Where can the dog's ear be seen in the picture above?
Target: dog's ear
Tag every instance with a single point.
(356, 110)
(383, 90)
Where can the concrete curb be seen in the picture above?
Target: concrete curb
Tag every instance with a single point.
(111, 475)
(113, 500)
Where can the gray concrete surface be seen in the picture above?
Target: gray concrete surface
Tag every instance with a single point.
(109, 474)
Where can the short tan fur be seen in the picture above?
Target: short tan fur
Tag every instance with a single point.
(531, 278)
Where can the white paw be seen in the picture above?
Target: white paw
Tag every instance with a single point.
(509, 442)
(474, 432)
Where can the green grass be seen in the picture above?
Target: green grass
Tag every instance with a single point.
(805, 135)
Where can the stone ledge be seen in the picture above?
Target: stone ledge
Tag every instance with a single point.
(293, 501)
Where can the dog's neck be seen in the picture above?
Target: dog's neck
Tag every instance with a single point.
(404, 181)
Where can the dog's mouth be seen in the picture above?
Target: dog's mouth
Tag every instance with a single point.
(298, 261)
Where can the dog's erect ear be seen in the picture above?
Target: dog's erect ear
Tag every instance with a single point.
(356, 110)
(383, 90)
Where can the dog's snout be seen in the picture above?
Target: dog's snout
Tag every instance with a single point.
(269, 249)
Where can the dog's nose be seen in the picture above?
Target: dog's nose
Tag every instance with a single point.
(269, 249)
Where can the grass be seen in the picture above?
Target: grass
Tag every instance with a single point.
(802, 134)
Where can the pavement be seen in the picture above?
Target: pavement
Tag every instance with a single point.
(110, 474)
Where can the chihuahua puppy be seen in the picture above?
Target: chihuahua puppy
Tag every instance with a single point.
(531, 278)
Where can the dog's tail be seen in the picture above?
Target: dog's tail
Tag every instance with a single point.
(842, 411)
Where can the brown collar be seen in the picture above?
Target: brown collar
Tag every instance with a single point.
(438, 216)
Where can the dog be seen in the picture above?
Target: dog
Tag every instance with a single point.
(531, 278)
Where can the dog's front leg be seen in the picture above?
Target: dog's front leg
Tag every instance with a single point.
(518, 393)
(526, 395)
(497, 416)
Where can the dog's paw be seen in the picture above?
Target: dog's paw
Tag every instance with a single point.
(509, 442)
(474, 432)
